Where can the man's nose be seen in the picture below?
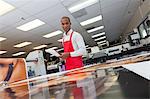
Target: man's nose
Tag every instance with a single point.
(65, 26)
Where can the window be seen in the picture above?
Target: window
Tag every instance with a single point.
(147, 25)
(142, 31)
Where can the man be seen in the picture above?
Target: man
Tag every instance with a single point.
(74, 46)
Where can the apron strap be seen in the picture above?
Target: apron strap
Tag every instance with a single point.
(69, 39)
(71, 35)
(9, 73)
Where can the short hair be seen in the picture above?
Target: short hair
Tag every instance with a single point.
(65, 17)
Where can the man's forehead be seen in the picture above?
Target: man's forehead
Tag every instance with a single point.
(65, 19)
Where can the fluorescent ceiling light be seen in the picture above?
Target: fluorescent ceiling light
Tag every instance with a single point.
(53, 48)
(95, 29)
(31, 25)
(22, 44)
(92, 20)
(101, 42)
(2, 39)
(87, 46)
(100, 34)
(19, 53)
(39, 47)
(60, 40)
(53, 34)
(100, 38)
(81, 5)
(5, 7)
(2, 52)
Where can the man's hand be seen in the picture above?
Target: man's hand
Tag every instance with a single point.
(65, 55)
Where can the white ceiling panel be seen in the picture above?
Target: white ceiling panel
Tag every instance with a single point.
(111, 3)
(132, 7)
(5, 29)
(14, 36)
(2, 26)
(42, 30)
(51, 18)
(38, 6)
(119, 9)
(18, 3)
(113, 27)
(13, 17)
(92, 11)
(116, 15)
(67, 3)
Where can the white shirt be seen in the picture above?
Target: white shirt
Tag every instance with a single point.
(77, 42)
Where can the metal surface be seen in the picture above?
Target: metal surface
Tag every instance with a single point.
(102, 81)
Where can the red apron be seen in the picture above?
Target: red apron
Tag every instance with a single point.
(71, 62)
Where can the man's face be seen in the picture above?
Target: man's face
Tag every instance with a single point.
(66, 25)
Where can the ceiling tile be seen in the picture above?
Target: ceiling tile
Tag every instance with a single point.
(38, 6)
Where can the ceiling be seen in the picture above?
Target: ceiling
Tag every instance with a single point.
(116, 16)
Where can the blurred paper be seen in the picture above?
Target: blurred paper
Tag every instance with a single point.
(53, 52)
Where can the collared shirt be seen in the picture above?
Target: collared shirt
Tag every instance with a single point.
(77, 42)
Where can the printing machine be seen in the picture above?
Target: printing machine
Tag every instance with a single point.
(119, 51)
(126, 78)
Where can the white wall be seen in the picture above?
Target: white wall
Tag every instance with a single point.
(138, 17)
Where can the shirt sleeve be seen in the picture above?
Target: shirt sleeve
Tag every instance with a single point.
(78, 40)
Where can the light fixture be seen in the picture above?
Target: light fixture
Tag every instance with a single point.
(53, 34)
(31, 25)
(80, 5)
(2, 52)
(100, 38)
(95, 29)
(92, 20)
(39, 47)
(5, 7)
(19, 53)
(100, 34)
(22, 44)
(2, 39)
(53, 48)
(87, 46)
(60, 40)
(101, 42)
